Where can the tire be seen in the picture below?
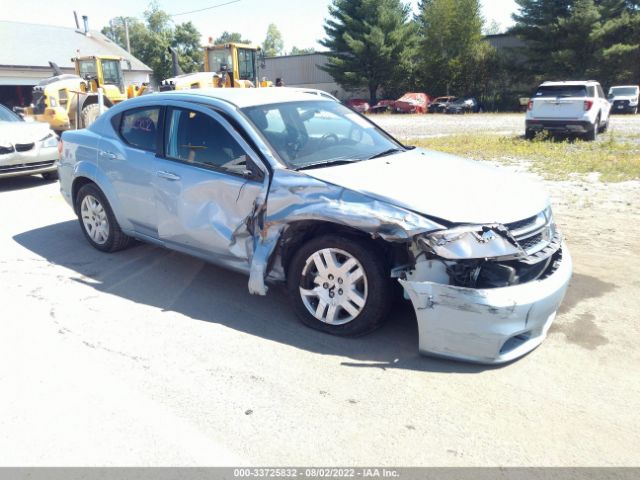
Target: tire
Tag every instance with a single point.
(529, 134)
(89, 114)
(592, 135)
(97, 221)
(50, 176)
(361, 305)
(604, 127)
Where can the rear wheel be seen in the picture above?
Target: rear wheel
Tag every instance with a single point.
(97, 220)
(529, 134)
(592, 134)
(339, 285)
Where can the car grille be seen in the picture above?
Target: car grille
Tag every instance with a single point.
(537, 236)
(24, 167)
(24, 147)
(624, 103)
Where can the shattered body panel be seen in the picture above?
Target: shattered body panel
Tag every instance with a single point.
(489, 326)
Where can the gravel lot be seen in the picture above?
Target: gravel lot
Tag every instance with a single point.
(424, 126)
(149, 357)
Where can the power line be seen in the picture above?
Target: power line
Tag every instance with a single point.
(203, 9)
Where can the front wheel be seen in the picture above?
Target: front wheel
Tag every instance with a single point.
(97, 220)
(339, 285)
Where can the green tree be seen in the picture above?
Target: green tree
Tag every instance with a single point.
(581, 38)
(273, 44)
(230, 37)
(371, 43)
(301, 51)
(454, 56)
(150, 38)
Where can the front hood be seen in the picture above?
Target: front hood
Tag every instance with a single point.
(12, 133)
(442, 186)
(631, 98)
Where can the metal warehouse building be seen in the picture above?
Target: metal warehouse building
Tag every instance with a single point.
(27, 49)
(303, 70)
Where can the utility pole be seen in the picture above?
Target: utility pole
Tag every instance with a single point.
(126, 33)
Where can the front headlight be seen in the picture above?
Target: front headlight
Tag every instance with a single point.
(49, 141)
(471, 242)
(634, 102)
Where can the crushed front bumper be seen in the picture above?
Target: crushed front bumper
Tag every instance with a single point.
(489, 326)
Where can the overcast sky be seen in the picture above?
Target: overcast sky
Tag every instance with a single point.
(299, 21)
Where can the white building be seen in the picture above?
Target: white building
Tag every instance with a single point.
(28, 48)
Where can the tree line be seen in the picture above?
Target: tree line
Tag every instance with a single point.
(382, 46)
(150, 36)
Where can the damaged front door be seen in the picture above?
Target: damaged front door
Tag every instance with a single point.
(207, 184)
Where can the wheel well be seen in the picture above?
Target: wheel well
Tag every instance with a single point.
(298, 233)
(93, 99)
(78, 183)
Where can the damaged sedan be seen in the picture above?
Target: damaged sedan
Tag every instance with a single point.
(291, 187)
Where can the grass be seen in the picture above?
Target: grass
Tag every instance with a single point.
(615, 160)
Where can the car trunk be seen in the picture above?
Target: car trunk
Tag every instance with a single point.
(558, 107)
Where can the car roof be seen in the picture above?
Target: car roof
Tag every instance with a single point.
(249, 97)
(570, 83)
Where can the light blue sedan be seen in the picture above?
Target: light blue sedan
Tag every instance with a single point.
(288, 185)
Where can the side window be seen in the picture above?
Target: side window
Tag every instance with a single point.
(198, 138)
(600, 92)
(139, 128)
(591, 91)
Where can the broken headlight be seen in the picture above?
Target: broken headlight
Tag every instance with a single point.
(471, 242)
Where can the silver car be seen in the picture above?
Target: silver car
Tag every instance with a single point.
(26, 148)
(289, 186)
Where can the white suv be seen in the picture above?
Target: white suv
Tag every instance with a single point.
(568, 107)
(624, 98)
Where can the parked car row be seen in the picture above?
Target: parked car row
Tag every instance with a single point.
(413, 102)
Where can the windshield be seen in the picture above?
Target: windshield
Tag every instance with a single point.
(218, 58)
(87, 67)
(623, 91)
(317, 132)
(562, 91)
(7, 115)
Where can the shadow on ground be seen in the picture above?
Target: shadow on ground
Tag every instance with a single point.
(22, 183)
(171, 281)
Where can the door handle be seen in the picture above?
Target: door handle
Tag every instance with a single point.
(168, 175)
(109, 155)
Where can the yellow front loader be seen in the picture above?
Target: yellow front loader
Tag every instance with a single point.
(230, 65)
(67, 101)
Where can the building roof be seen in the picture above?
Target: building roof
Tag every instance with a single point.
(35, 45)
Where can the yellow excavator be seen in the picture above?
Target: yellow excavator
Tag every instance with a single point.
(68, 101)
(229, 65)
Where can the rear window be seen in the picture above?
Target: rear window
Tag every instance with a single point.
(561, 91)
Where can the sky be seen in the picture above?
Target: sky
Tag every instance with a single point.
(299, 21)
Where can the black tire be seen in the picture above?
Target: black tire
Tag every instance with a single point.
(529, 134)
(115, 238)
(50, 175)
(592, 135)
(378, 296)
(89, 114)
(604, 127)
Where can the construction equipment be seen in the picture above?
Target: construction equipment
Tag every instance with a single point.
(229, 65)
(67, 101)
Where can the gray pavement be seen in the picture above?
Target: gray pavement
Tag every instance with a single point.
(148, 357)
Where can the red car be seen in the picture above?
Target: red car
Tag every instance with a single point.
(358, 104)
(412, 103)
